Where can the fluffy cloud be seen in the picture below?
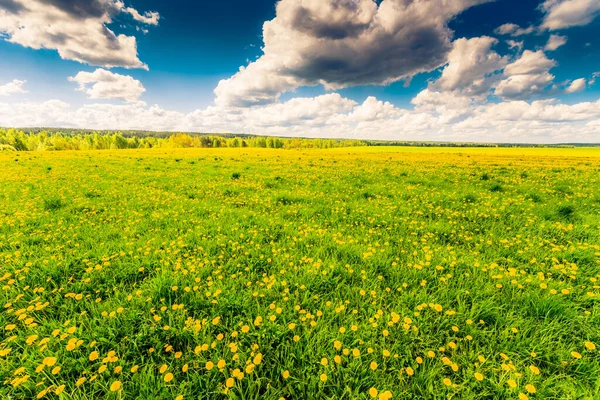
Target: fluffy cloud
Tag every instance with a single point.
(578, 85)
(332, 115)
(103, 84)
(526, 77)
(514, 30)
(312, 42)
(14, 87)
(77, 29)
(555, 42)
(561, 14)
(471, 67)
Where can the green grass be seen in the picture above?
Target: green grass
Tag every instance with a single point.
(489, 259)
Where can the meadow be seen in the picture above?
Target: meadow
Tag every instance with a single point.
(348, 273)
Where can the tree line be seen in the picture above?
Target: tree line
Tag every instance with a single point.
(55, 140)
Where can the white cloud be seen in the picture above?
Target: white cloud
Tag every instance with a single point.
(595, 76)
(526, 77)
(578, 85)
(77, 29)
(514, 30)
(513, 44)
(555, 42)
(561, 14)
(344, 43)
(471, 67)
(103, 84)
(13, 87)
(149, 17)
(331, 115)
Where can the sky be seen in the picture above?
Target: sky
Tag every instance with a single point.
(522, 71)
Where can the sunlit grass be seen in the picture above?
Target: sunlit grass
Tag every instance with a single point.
(266, 274)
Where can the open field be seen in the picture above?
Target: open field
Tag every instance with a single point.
(319, 274)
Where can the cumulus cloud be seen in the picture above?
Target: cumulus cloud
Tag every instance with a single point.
(344, 43)
(471, 67)
(103, 84)
(333, 116)
(14, 87)
(561, 14)
(578, 85)
(77, 29)
(526, 77)
(514, 30)
(555, 42)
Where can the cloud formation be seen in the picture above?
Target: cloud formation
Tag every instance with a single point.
(562, 14)
(103, 84)
(471, 67)
(578, 85)
(514, 30)
(526, 77)
(312, 42)
(331, 115)
(555, 42)
(13, 87)
(77, 29)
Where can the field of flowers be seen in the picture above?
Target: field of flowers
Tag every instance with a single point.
(319, 274)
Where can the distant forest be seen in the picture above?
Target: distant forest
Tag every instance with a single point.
(52, 139)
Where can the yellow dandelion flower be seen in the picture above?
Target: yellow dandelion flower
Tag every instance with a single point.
(535, 370)
(373, 392)
(576, 355)
(590, 346)
(530, 388)
(229, 382)
(478, 376)
(512, 383)
(209, 365)
(221, 364)
(115, 386)
(59, 389)
(523, 396)
(163, 368)
(93, 356)
(286, 374)
(323, 378)
(168, 377)
(447, 382)
(55, 370)
(410, 371)
(49, 361)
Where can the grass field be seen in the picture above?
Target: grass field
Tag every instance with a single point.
(320, 274)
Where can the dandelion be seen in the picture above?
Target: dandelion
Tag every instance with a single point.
(373, 365)
(447, 382)
(209, 365)
(229, 382)
(49, 361)
(115, 386)
(323, 378)
(576, 355)
(530, 388)
(410, 371)
(478, 376)
(93, 356)
(373, 392)
(590, 346)
(535, 370)
(512, 383)
(168, 377)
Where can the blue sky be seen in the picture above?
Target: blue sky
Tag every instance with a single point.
(191, 48)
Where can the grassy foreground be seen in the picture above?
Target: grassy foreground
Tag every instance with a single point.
(320, 274)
